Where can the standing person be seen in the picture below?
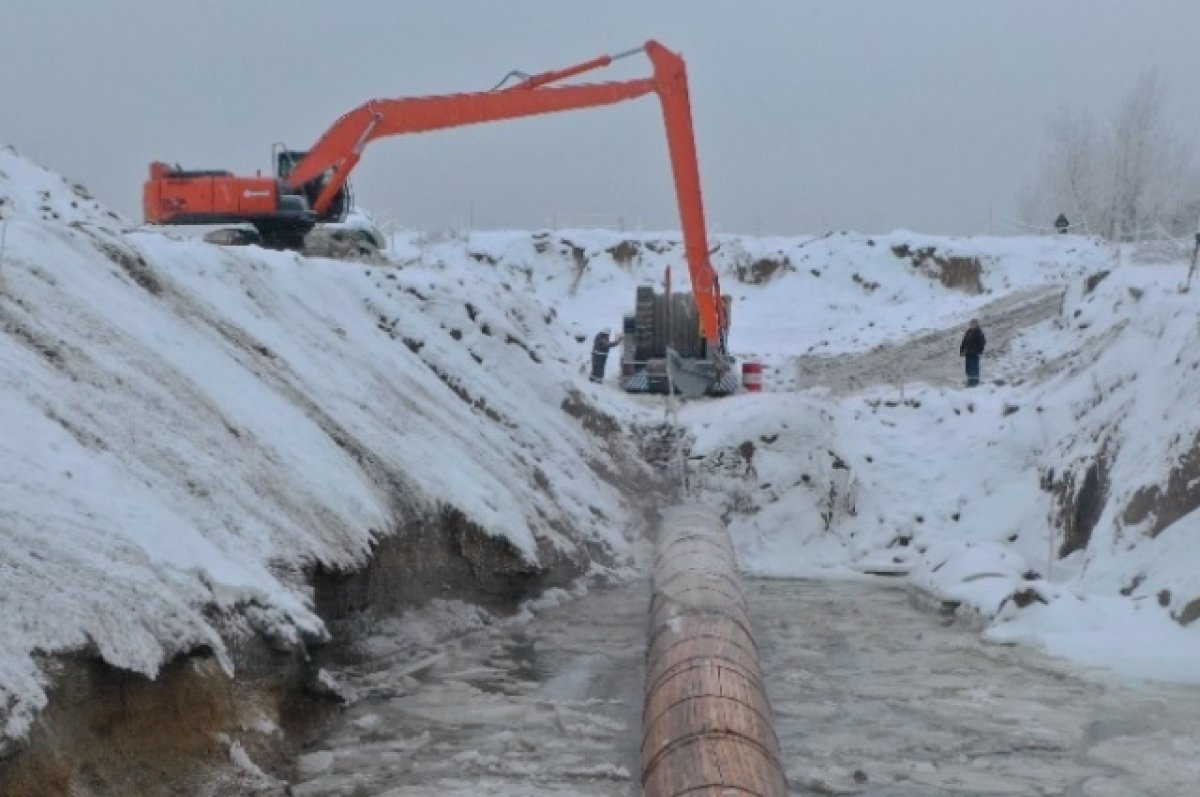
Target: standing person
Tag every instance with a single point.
(600, 348)
(972, 346)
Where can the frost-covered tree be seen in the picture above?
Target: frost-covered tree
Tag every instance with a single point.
(1131, 179)
(1070, 180)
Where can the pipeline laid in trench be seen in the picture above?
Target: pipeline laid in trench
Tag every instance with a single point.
(706, 722)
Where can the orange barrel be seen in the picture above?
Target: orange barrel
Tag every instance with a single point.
(752, 377)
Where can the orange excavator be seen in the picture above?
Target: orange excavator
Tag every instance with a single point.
(312, 187)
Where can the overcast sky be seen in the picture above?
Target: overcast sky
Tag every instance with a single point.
(924, 114)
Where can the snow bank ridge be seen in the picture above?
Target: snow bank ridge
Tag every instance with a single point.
(191, 429)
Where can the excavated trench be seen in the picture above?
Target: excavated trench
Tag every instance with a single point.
(871, 695)
(446, 692)
(194, 730)
(110, 732)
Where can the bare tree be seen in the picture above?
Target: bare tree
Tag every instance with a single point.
(1071, 172)
(1130, 180)
(1137, 143)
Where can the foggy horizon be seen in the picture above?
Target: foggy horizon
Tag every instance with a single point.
(929, 116)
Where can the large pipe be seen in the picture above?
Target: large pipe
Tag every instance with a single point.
(706, 726)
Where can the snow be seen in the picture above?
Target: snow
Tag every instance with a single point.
(901, 467)
(866, 454)
(1130, 638)
(191, 428)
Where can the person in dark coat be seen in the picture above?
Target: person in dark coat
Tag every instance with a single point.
(972, 346)
(600, 347)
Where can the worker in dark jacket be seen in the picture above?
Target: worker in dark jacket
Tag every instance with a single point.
(600, 347)
(972, 346)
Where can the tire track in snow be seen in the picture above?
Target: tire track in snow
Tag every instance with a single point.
(932, 357)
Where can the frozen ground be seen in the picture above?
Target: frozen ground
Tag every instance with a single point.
(547, 703)
(1055, 502)
(860, 680)
(189, 430)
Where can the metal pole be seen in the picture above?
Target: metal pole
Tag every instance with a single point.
(1191, 268)
(3, 243)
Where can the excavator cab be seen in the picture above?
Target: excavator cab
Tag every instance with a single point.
(286, 161)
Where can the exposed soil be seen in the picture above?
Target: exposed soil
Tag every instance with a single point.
(195, 730)
(953, 271)
(762, 270)
(1081, 502)
(1181, 496)
(452, 558)
(110, 732)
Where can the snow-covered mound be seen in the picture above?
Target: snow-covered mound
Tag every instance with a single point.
(1121, 464)
(791, 296)
(1055, 503)
(190, 430)
(28, 191)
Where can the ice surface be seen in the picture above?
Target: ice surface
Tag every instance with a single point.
(545, 703)
(862, 682)
(870, 695)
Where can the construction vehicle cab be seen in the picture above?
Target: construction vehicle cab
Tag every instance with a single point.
(286, 161)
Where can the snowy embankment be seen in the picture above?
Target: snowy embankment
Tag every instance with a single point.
(1054, 503)
(190, 430)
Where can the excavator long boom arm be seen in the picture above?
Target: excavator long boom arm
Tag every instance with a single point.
(338, 151)
(342, 145)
